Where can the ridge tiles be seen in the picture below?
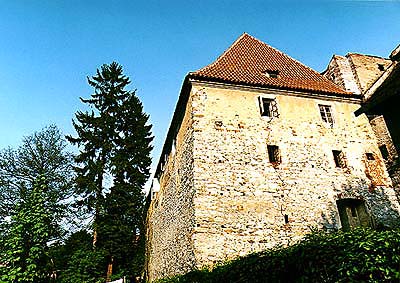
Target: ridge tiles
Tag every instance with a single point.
(248, 61)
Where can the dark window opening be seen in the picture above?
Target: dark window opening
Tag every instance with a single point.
(326, 114)
(332, 77)
(370, 156)
(272, 73)
(265, 105)
(381, 67)
(286, 219)
(273, 154)
(353, 213)
(339, 158)
(384, 152)
(218, 123)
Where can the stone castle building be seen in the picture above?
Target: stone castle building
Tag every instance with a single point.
(261, 150)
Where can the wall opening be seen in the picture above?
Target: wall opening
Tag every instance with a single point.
(274, 155)
(384, 151)
(370, 156)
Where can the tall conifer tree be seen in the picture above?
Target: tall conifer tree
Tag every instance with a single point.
(115, 144)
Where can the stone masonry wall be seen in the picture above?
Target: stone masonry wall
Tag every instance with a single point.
(382, 134)
(367, 68)
(241, 199)
(356, 72)
(340, 72)
(381, 131)
(220, 196)
(171, 214)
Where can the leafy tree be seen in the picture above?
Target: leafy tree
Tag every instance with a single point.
(41, 154)
(35, 183)
(115, 145)
(25, 251)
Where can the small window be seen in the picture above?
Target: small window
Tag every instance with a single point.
(381, 67)
(339, 158)
(272, 74)
(370, 156)
(384, 152)
(353, 214)
(268, 107)
(326, 114)
(218, 123)
(273, 154)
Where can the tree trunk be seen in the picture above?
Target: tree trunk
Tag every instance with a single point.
(109, 269)
(98, 196)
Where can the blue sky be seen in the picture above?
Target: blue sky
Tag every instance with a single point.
(48, 48)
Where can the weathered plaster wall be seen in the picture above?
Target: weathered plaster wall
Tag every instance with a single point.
(241, 199)
(171, 214)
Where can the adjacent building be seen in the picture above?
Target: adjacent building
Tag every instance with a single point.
(261, 150)
(378, 81)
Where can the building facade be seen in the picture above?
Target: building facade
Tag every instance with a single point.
(261, 150)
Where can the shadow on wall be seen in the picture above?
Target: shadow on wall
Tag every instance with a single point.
(377, 208)
(384, 208)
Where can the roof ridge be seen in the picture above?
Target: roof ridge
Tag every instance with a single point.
(223, 53)
(367, 55)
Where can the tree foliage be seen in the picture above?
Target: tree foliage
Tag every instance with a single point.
(113, 164)
(41, 154)
(35, 182)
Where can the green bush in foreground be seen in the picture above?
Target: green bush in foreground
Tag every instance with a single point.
(361, 255)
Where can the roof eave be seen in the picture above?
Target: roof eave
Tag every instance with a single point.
(218, 80)
(175, 122)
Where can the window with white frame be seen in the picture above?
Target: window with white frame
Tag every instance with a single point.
(268, 107)
(326, 114)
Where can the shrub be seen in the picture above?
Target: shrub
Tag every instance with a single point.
(361, 255)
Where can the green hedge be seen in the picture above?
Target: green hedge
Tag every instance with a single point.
(361, 255)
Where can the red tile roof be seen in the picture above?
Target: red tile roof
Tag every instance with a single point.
(247, 61)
